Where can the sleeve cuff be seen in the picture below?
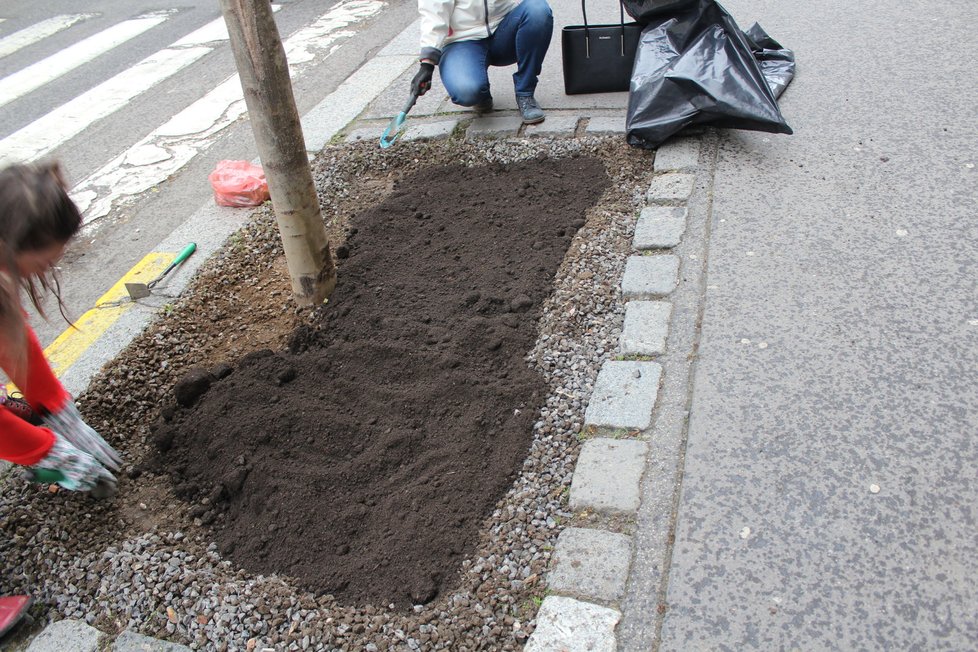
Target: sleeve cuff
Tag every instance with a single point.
(431, 54)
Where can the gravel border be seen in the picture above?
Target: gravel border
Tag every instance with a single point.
(172, 584)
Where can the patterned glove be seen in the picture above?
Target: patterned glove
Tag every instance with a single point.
(78, 470)
(68, 423)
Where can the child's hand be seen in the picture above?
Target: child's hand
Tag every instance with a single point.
(68, 423)
(79, 470)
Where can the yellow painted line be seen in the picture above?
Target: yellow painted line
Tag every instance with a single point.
(71, 344)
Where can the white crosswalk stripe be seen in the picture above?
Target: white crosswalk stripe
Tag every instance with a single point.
(38, 32)
(191, 131)
(169, 147)
(34, 76)
(44, 134)
(48, 132)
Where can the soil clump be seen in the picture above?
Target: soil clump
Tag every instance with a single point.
(363, 460)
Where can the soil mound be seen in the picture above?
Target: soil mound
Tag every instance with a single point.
(363, 460)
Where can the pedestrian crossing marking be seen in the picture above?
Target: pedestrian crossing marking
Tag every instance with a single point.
(171, 146)
(68, 120)
(47, 70)
(38, 32)
(48, 132)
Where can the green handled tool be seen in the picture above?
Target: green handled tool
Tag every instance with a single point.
(396, 127)
(141, 290)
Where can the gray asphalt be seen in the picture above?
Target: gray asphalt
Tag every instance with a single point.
(831, 472)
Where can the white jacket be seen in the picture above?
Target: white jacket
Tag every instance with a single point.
(447, 21)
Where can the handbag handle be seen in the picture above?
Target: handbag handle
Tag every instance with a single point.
(587, 35)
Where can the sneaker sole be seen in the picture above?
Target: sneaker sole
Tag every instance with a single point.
(535, 121)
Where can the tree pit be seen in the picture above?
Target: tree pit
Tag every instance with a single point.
(363, 460)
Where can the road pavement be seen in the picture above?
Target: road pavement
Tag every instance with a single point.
(829, 483)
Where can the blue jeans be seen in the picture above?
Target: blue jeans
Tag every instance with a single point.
(522, 37)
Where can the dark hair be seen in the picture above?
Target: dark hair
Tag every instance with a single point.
(35, 212)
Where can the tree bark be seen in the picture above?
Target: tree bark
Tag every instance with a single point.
(264, 73)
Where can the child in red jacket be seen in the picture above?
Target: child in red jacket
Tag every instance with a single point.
(37, 219)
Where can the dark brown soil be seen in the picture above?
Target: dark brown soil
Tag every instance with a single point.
(363, 460)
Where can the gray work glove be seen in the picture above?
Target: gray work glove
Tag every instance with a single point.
(68, 423)
(421, 83)
(72, 468)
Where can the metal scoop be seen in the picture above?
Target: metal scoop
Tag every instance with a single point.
(396, 127)
(141, 290)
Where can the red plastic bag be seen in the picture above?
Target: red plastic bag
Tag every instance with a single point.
(238, 183)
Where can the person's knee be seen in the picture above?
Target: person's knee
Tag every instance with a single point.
(467, 92)
(538, 11)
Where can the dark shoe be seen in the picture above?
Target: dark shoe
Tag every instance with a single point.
(529, 109)
(483, 107)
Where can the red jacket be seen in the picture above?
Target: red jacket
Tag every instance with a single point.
(21, 442)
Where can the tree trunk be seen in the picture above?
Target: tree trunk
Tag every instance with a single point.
(264, 72)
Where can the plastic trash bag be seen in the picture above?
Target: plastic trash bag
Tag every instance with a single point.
(645, 10)
(238, 183)
(697, 67)
(777, 64)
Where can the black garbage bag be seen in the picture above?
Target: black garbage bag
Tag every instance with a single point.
(645, 10)
(777, 64)
(696, 66)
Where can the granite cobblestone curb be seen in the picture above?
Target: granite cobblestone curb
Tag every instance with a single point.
(71, 635)
(646, 328)
(649, 277)
(63, 635)
(623, 397)
(556, 126)
(568, 625)
(607, 476)
(671, 188)
(590, 567)
(592, 563)
(659, 227)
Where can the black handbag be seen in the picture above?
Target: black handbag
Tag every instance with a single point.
(598, 58)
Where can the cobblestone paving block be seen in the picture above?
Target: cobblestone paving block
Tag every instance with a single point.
(607, 476)
(605, 126)
(497, 126)
(660, 227)
(646, 327)
(591, 564)
(648, 277)
(677, 154)
(366, 133)
(430, 130)
(65, 635)
(562, 126)
(671, 188)
(624, 395)
(133, 642)
(569, 625)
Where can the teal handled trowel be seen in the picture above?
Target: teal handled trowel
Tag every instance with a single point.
(396, 128)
